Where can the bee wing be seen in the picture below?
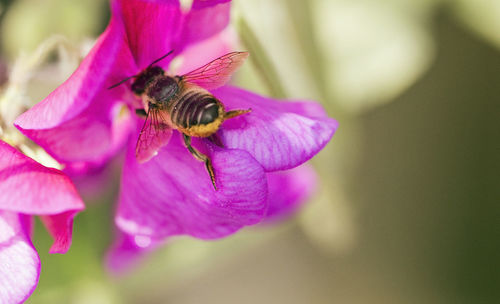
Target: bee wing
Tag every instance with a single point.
(155, 133)
(217, 72)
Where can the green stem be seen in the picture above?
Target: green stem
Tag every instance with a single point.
(260, 60)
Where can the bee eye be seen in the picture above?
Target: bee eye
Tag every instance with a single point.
(154, 70)
(139, 85)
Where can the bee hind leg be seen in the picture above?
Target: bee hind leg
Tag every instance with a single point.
(234, 113)
(216, 140)
(201, 157)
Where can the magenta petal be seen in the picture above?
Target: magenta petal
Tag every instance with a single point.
(279, 135)
(75, 122)
(289, 189)
(60, 226)
(205, 19)
(125, 253)
(28, 187)
(200, 4)
(91, 137)
(19, 261)
(109, 56)
(201, 53)
(172, 194)
(152, 27)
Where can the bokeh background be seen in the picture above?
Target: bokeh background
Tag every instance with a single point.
(407, 207)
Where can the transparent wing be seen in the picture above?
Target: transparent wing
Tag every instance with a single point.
(217, 72)
(155, 133)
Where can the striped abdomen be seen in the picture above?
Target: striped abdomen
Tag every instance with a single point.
(195, 108)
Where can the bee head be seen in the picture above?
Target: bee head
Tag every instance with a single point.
(145, 77)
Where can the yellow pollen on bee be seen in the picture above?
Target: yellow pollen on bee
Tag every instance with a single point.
(203, 130)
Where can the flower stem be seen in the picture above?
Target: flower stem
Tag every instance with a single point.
(260, 60)
(303, 26)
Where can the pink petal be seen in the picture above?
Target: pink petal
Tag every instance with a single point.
(60, 226)
(75, 122)
(201, 53)
(162, 26)
(125, 253)
(205, 19)
(109, 56)
(28, 187)
(92, 137)
(19, 261)
(172, 194)
(279, 135)
(152, 28)
(200, 4)
(289, 189)
(96, 181)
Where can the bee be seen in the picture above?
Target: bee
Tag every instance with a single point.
(183, 103)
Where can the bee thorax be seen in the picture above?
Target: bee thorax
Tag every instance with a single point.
(162, 89)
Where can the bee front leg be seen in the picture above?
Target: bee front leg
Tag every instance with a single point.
(141, 113)
(201, 157)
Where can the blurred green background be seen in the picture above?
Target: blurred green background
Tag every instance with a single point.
(407, 210)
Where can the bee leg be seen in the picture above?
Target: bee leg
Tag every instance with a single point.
(141, 113)
(201, 157)
(234, 113)
(216, 140)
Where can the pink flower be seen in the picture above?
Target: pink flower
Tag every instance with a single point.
(28, 188)
(171, 194)
(299, 182)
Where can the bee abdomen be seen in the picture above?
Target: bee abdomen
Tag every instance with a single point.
(195, 108)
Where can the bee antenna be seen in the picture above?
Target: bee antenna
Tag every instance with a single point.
(119, 83)
(161, 58)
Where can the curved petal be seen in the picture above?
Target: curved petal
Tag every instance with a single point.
(60, 227)
(75, 122)
(109, 56)
(28, 187)
(91, 137)
(201, 53)
(289, 189)
(201, 4)
(19, 261)
(205, 19)
(152, 28)
(162, 26)
(126, 252)
(172, 193)
(279, 135)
